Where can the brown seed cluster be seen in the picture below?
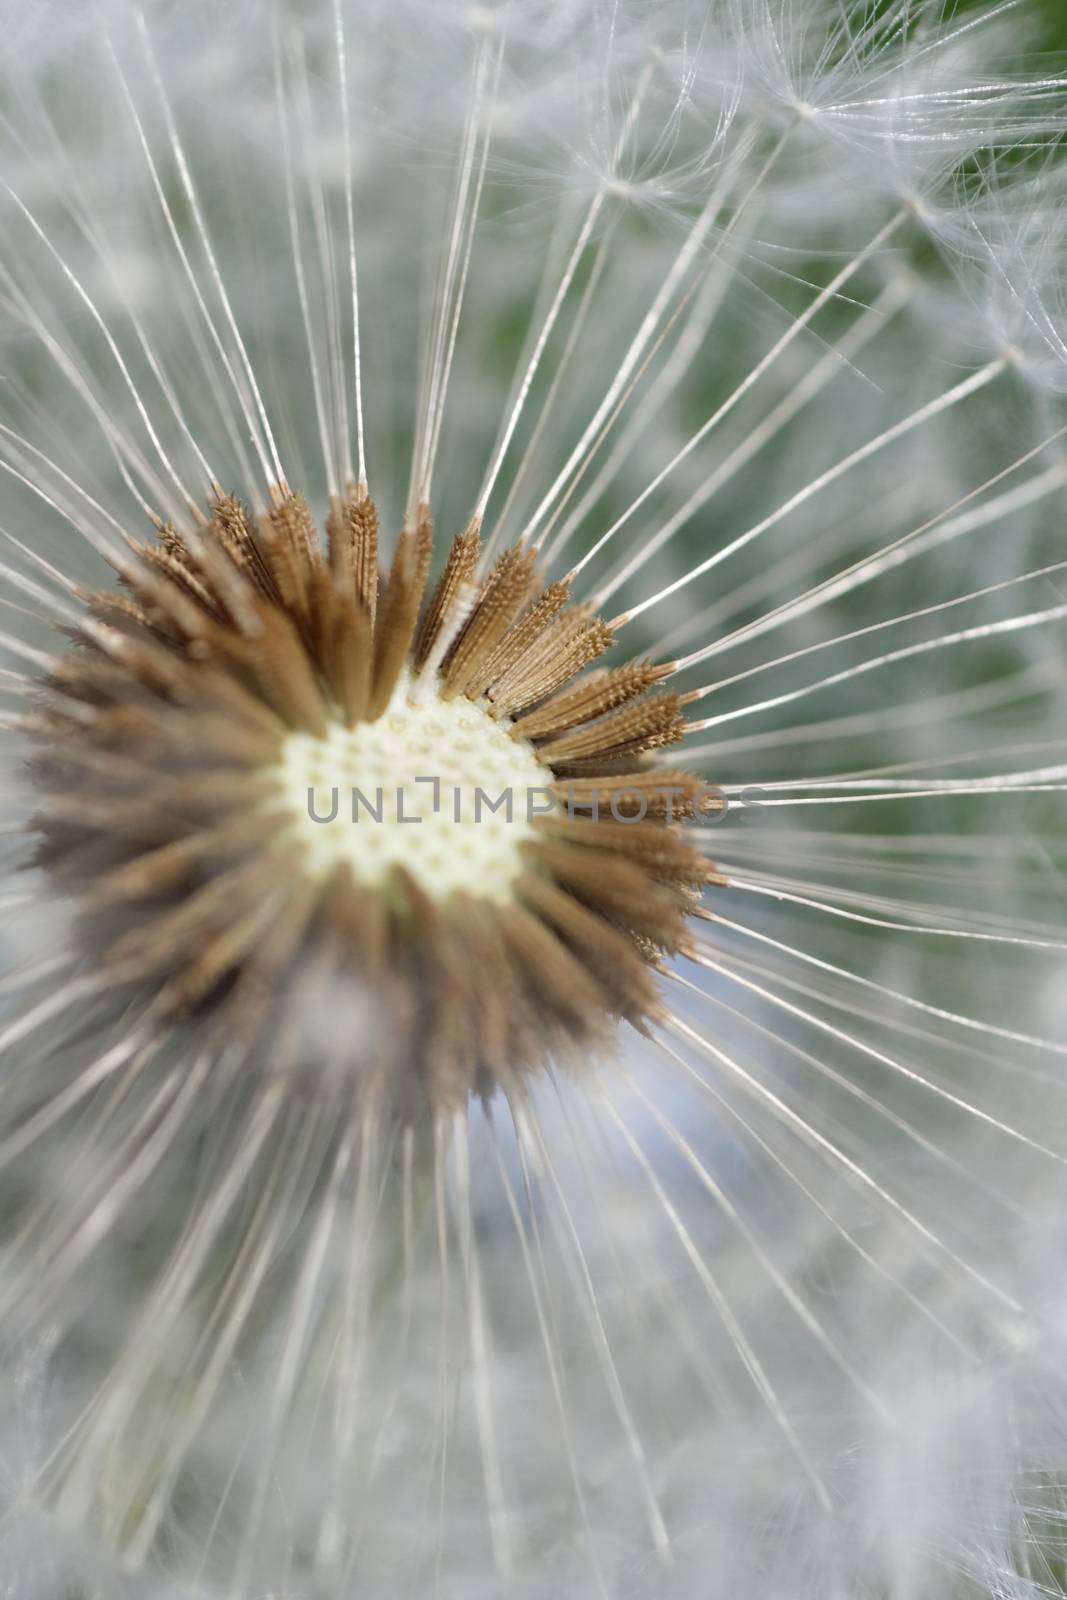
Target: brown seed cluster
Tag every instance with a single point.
(154, 745)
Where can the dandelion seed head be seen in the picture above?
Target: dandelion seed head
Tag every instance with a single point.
(590, 1203)
(243, 675)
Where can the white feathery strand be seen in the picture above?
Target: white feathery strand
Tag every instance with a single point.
(449, 298)
(48, 567)
(974, 861)
(529, 462)
(331, 1533)
(351, 1352)
(970, 1054)
(1042, 781)
(502, 1535)
(36, 591)
(871, 628)
(439, 1460)
(250, 420)
(547, 545)
(931, 535)
(131, 1166)
(783, 891)
(973, 93)
(764, 581)
(835, 361)
(126, 454)
(549, 1344)
(1018, 686)
(991, 783)
(880, 1012)
(109, 339)
(726, 1107)
(811, 1136)
(710, 293)
(676, 275)
(793, 332)
(231, 1312)
(532, 1144)
(281, 98)
(327, 269)
(441, 1130)
(957, 30)
(287, 1373)
(962, 757)
(20, 611)
(30, 723)
(958, 1019)
(848, 1084)
(114, 1407)
(407, 1230)
(55, 1109)
(934, 408)
(390, 1164)
(432, 314)
(188, 1260)
(985, 630)
(880, 1056)
(94, 235)
(350, 238)
(729, 1209)
(585, 233)
(22, 686)
(460, 289)
(239, 430)
(968, 859)
(29, 973)
(633, 110)
(162, 378)
(561, 366)
(746, 1354)
(47, 663)
(20, 683)
(193, 199)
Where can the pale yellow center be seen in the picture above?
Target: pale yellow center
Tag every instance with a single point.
(436, 786)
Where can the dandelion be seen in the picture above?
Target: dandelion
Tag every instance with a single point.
(533, 881)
